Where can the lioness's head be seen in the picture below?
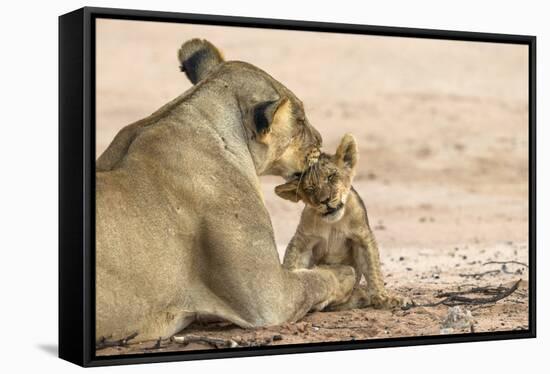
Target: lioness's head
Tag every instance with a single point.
(280, 138)
(326, 184)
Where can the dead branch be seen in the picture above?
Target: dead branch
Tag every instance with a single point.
(105, 343)
(486, 290)
(215, 342)
(506, 262)
(503, 269)
(458, 298)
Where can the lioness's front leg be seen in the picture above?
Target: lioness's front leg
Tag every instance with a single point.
(367, 256)
(339, 278)
(325, 286)
(359, 297)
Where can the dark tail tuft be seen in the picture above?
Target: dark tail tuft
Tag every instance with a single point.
(197, 58)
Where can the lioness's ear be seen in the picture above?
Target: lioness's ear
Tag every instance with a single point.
(266, 113)
(346, 154)
(197, 58)
(288, 191)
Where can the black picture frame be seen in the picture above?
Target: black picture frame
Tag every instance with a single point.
(77, 183)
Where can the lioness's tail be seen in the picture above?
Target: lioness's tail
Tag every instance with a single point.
(197, 58)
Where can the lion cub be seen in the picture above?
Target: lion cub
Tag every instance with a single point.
(334, 228)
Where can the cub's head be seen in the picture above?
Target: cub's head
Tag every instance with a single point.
(325, 185)
(280, 138)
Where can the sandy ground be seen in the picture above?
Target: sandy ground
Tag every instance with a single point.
(442, 129)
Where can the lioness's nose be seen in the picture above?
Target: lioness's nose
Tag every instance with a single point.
(317, 139)
(317, 136)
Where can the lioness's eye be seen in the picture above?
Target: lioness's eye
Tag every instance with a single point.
(310, 189)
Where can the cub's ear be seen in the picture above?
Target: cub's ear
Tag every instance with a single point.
(346, 154)
(198, 57)
(288, 191)
(266, 113)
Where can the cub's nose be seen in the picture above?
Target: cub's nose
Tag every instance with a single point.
(326, 201)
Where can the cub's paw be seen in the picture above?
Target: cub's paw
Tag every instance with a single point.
(385, 300)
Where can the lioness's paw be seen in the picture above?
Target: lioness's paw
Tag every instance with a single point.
(344, 279)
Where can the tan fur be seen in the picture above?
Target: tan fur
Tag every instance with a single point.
(334, 228)
(181, 228)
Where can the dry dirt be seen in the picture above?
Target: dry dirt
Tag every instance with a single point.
(442, 129)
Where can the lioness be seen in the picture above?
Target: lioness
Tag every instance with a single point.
(182, 231)
(334, 227)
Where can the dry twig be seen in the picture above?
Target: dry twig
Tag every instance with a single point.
(105, 343)
(506, 262)
(503, 269)
(458, 298)
(215, 342)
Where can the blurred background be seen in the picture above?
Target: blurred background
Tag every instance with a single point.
(442, 126)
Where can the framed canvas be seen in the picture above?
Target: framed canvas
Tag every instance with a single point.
(236, 186)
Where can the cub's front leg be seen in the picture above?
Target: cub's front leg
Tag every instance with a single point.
(299, 252)
(367, 256)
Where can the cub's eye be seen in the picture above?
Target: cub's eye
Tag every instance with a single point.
(309, 189)
(332, 177)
